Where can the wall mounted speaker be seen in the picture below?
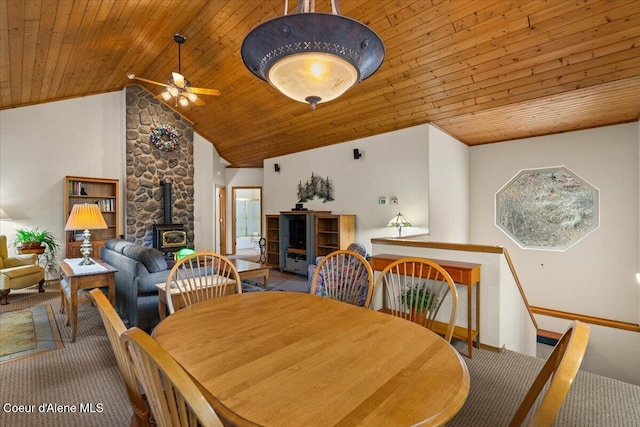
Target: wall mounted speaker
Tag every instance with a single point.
(276, 167)
(356, 154)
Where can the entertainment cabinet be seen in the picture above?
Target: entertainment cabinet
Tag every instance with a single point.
(295, 238)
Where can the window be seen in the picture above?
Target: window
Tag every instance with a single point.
(549, 208)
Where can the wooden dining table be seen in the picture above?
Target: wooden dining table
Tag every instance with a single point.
(295, 359)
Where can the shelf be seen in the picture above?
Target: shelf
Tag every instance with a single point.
(334, 232)
(105, 193)
(297, 251)
(273, 240)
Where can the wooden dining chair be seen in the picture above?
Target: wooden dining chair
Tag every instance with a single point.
(199, 277)
(415, 289)
(562, 367)
(347, 276)
(173, 396)
(115, 328)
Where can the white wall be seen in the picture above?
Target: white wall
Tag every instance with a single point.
(596, 276)
(208, 171)
(448, 188)
(395, 164)
(604, 263)
(41, 144)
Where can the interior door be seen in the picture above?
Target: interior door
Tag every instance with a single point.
(221, 225)
(246, 217)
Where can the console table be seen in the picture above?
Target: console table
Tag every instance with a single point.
(463, 273)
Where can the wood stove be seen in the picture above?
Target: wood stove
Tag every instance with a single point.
(168, 237)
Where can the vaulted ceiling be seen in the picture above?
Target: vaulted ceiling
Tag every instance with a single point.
(482, 70)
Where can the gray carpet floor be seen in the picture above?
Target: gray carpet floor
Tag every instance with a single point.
(85, 372)
(499, 382)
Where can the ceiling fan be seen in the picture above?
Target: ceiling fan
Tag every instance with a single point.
(179, 87)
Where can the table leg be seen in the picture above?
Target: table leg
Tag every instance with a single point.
(74, 310)
(478, 313)
(469, 324)
(111, 283)
(162, 308)
(62, 300)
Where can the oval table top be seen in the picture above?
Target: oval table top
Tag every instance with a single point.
(287, 358)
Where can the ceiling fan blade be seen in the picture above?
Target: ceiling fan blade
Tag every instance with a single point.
(134, 77)
(203, 91)
(178, 80)
(199, 102)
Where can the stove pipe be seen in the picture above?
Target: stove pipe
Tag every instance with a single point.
(168, 205)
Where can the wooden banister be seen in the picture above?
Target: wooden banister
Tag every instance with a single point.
(586, 319)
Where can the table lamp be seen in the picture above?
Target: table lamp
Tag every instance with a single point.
(85, 217)
(399, 221)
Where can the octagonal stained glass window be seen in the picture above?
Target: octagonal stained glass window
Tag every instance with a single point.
(547, 208)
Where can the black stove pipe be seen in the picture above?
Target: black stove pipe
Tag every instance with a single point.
(168, 204)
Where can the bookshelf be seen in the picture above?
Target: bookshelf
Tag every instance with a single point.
(106, 194)
(334, 232)
(273, 240)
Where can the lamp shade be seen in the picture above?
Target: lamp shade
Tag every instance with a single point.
(306, 77)
(399, 221)
(85, 217)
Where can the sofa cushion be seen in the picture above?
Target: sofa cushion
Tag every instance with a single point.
(16, 272)
(117, 245)
(150, 257)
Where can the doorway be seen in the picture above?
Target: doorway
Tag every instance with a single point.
(220, 223)
(246, 220)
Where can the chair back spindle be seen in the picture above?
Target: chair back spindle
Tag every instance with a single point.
(347, 277)
(415, 289)
(561, 367)
(201, 276)
(173, 396)
(115, 328)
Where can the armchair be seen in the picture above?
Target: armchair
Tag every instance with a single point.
(18, 272)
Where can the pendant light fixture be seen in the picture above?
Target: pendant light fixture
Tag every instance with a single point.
(312, 57)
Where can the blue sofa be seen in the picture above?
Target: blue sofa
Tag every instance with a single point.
(139, 269)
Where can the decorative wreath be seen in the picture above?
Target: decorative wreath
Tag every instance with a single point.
(164, 137)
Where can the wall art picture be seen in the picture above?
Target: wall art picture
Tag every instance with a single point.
(316, 186)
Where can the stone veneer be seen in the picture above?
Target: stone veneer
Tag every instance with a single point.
(147, 166)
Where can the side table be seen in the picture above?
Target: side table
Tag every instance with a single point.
(462, 273)
(76, 278)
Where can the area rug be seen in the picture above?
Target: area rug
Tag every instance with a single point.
(25, 333)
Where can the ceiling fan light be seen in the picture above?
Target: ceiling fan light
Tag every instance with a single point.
(174, 91)
(184, 101)
(274, 52)
(178, 80)
(313, 74)
(192, 96)
(166, 95)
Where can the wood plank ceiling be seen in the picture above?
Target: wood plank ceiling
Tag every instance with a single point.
(482, 70)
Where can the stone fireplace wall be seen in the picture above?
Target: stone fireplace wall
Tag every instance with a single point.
(147, 166)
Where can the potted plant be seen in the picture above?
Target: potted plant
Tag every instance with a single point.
(41, 242)
(418, 300)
